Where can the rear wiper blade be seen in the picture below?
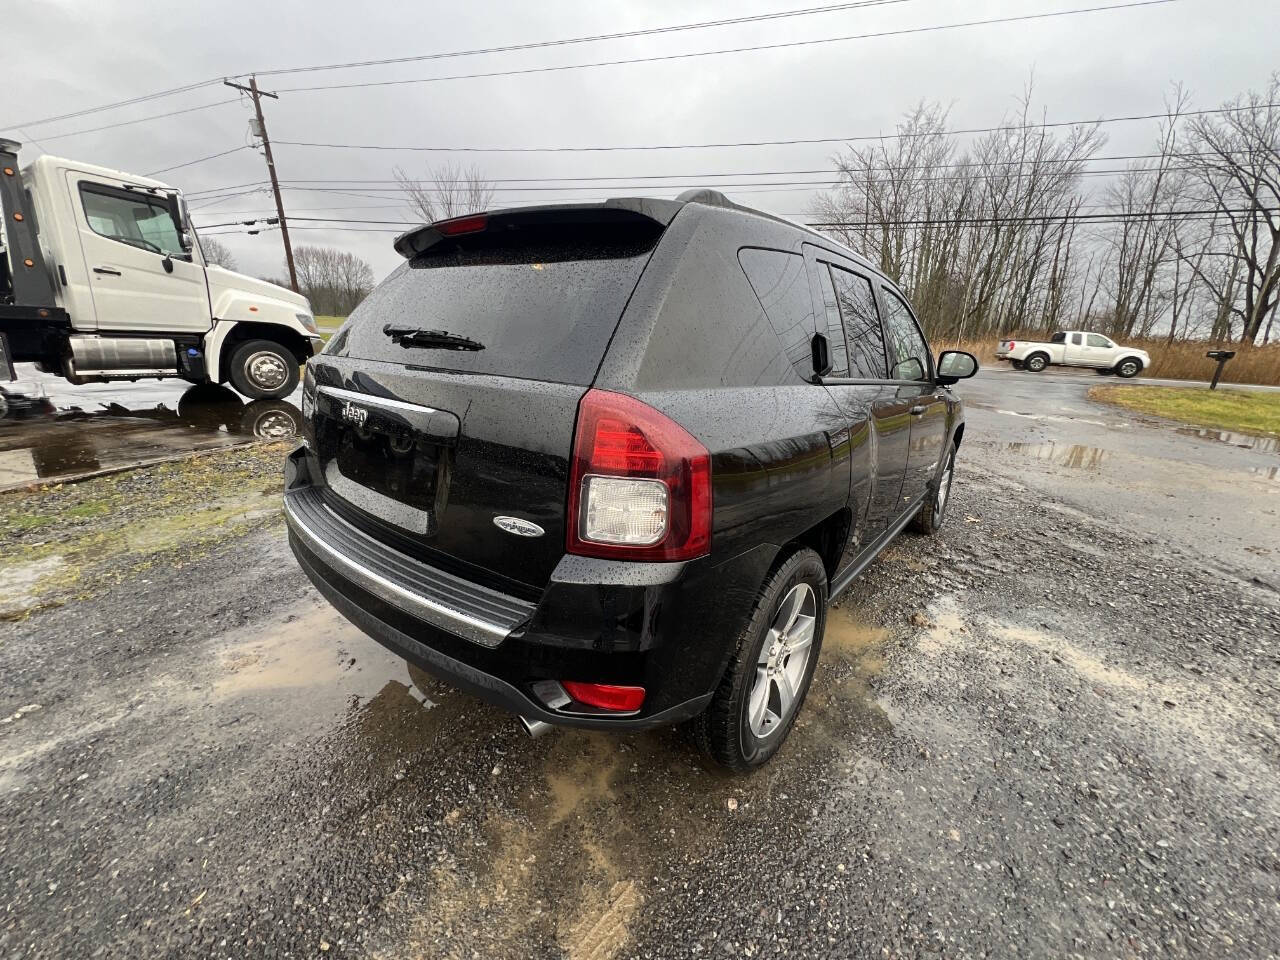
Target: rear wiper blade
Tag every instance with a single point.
(439, 339)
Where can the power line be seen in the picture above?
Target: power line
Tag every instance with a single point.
(1111, 216)
(191, 163)
(172, 91)
(748, 49)
(861, 138)
(126, 123)
(650, 31)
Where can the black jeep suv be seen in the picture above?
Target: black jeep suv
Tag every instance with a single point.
(604, 465)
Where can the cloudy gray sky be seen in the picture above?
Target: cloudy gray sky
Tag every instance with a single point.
(67, 56)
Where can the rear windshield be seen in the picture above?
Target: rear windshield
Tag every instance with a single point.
(537, 306)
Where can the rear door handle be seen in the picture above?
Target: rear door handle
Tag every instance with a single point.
(109, 271)
(918, 411)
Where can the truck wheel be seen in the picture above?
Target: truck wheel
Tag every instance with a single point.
(1036, 362)
(934, 511)
(263, 370)
(1016, 364)
(1128, 367)
(762, 690)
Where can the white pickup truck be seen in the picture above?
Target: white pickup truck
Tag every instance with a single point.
(1074, 348)
(101, 279)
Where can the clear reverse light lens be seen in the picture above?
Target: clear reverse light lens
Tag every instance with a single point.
(624, 511)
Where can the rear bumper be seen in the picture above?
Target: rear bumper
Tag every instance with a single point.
(667, 627)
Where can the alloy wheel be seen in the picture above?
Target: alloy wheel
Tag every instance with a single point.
(944, 490)
(784, 656)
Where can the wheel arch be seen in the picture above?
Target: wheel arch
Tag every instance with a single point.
(826, 538)
(220, 344)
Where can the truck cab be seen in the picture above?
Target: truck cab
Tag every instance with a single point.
(102, 278)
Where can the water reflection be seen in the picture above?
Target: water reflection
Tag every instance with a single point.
(1073, 455)
(1248, 441)
(39, 442)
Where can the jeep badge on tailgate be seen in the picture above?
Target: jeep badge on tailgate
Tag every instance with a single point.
(354, 414)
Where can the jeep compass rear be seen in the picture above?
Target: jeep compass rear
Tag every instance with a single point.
(563, 458)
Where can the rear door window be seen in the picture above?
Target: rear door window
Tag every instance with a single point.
(541, 309)
(835, 329)
(857, 303)
(908, 353)
(780, 283)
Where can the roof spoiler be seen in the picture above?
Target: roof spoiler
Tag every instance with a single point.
(419, 240)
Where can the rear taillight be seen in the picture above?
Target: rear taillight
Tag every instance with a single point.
(606, 696)
(639, 484)
(1011, 344)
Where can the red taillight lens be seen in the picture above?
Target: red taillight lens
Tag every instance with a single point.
(472, 224)
(1012, 344)
(606, 696)
(639, 484)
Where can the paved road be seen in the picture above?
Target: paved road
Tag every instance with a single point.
(1052, 732)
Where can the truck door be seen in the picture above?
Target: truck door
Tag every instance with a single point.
(1099, 351)
(1073, 351)
(925, 402)
(141, 277)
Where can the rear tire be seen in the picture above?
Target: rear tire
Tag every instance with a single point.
(763, 688)
(934, 511)
(263, 370)
(1016, 364)
(1036, 362)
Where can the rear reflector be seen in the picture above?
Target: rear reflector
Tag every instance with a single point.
(639, 486)
(460, 225)
(606, 696)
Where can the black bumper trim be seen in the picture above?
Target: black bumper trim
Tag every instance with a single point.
(487, 687)
(464, 609)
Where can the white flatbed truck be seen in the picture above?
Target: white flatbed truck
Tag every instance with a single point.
(102, 278)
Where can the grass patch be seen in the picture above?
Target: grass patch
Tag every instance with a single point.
(1236, 410)
(328, 326)
(68, 540)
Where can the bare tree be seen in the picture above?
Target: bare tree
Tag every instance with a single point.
(982, 238)
(216, 252)
(449, 191)
(1235, 164)
(1142, 240)
(335, 281)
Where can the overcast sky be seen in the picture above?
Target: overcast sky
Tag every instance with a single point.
(65, 56)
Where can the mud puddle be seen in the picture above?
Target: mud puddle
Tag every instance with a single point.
(1243, 440)
(40, 442)
(1074, 456)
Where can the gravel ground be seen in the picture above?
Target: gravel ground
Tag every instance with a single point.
(1016, 744)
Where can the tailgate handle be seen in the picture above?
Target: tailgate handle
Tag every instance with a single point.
(438, 426)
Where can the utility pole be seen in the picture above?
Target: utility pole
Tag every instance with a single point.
(257, 95)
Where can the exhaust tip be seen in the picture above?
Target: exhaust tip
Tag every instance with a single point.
(535, 728)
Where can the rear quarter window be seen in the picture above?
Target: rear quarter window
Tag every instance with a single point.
(781, 284)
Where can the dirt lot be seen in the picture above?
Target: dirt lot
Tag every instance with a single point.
(1053, 732)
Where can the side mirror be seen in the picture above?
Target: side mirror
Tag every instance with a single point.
(821, 355)
(174, 202)
(956, 365)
